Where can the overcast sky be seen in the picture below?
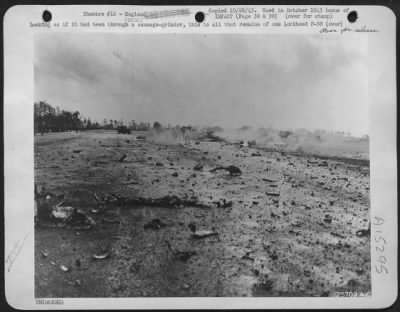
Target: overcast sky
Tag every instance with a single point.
(283, 81)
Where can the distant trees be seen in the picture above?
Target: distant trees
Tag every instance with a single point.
(143, 127)
(133, 125)
(50, 119)
(157, 126)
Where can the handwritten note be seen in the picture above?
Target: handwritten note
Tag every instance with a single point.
(14, 253)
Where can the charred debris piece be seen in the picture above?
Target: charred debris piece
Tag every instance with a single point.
(198, 167)
(184, 255)
(201, 233)
(72, 216)
(154, 224)
(233, 170)
(62, 215)
(362, 233)
(168, 201)
(223, 203)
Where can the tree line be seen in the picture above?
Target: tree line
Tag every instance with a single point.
(51, 119)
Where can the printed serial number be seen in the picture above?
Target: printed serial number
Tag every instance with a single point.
(352, 294)
(49, 301)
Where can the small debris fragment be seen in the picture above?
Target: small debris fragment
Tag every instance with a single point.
(360, 271)
(44, 254)
(198, 167)
(267, 179)
(328, 219)
(154, 224)
(233, 170)
(64, 268)
(141, 138)
(362, 233)
(180, 255)
(337, 235)
(203, 234)
(101, 256)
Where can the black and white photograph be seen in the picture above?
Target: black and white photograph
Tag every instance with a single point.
(201, 165)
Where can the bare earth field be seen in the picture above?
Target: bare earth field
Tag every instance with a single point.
(290, 231)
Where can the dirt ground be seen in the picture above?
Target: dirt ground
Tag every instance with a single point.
(290, 231)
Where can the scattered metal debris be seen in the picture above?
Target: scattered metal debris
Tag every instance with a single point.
(203, 233)
(101, 256)
(154, 224)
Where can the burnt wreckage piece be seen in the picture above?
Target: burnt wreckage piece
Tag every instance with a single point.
(233, 170)
(165, 201)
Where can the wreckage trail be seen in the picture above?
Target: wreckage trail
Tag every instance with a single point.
(275, 220)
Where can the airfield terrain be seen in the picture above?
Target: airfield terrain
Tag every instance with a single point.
(163, 223)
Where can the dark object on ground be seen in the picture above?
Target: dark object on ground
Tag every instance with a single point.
(154, 224)
(141, 138)
(123, 129)
(42, 207)
(77, 151)
(272, 193)
(248, 257)
(71, 216)
(180, 255)
(233, 170)
(223, 203)
(267, 179)
(252, 143)
(211, 137)
(169, 201)
(256, 154)
(328, 219)
(367, 232)
(122, 158)
(44, 254)
(158, 164)
(192, 227)
(198, 167)
(175, 174)
(337, 235)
